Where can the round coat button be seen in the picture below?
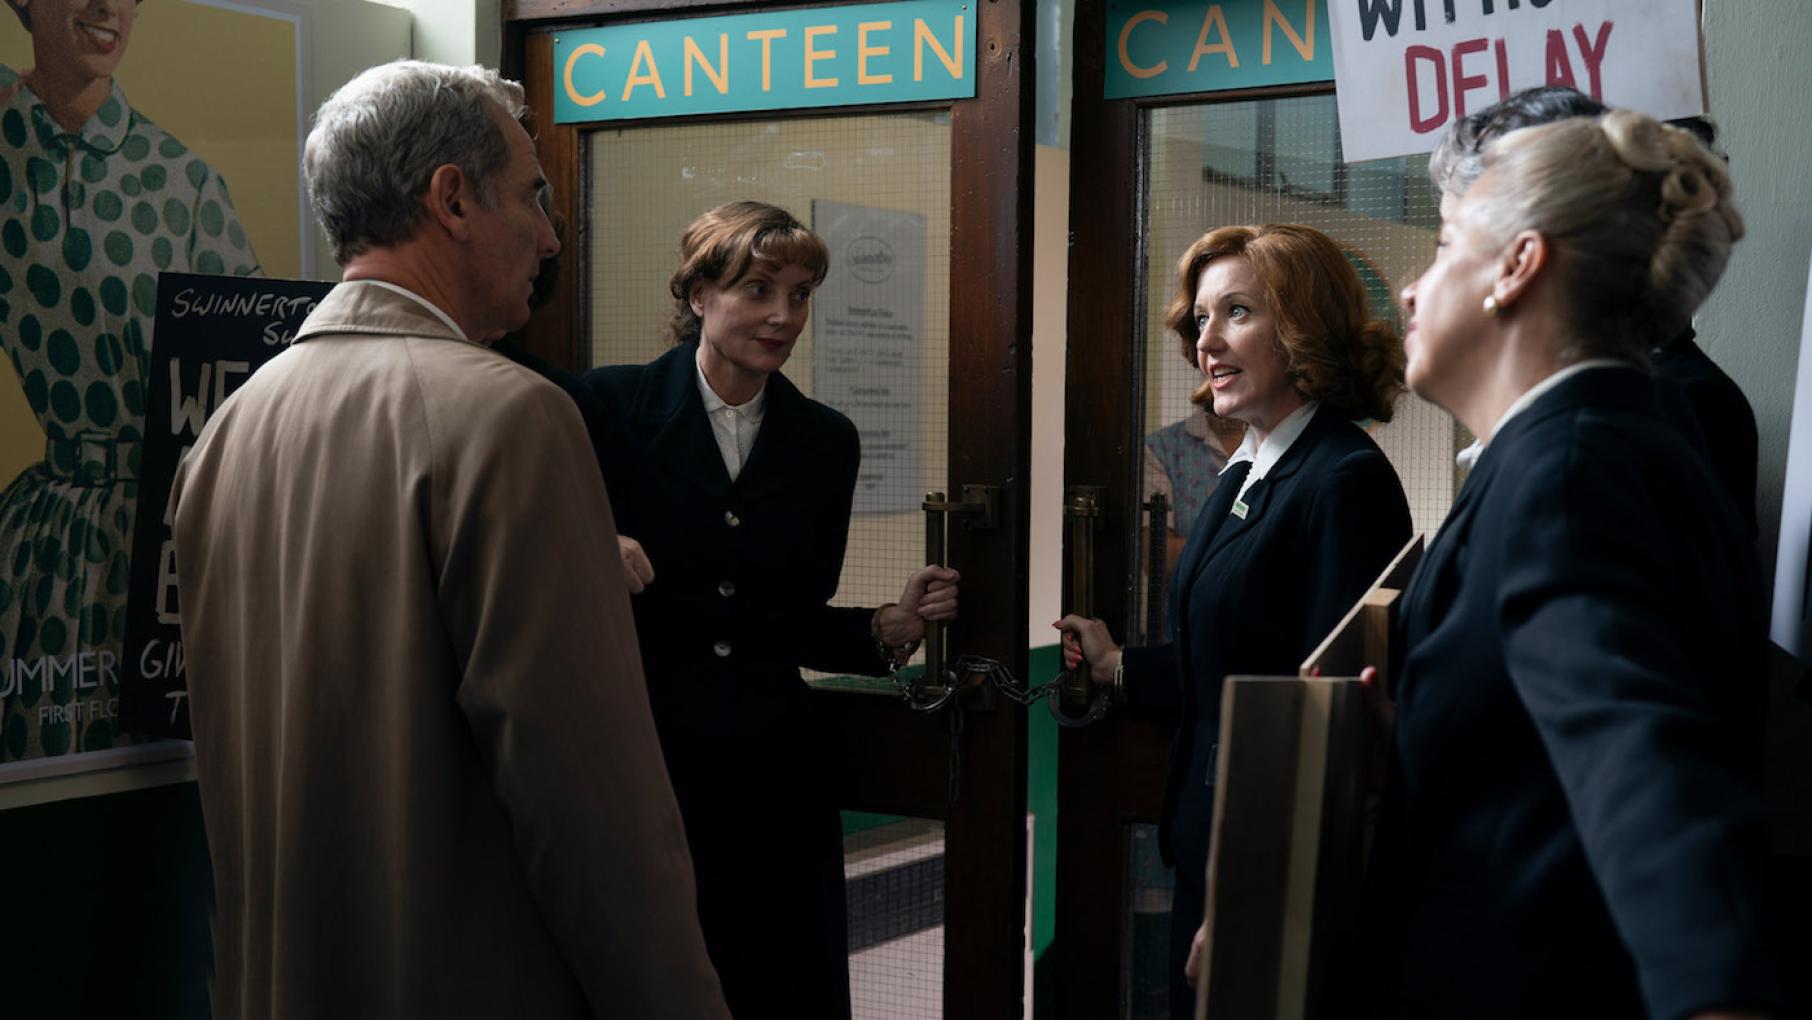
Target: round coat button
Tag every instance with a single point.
(726, 588)
(722, 648)
(731, 519)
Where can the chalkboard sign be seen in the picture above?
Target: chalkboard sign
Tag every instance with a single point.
(212, 333)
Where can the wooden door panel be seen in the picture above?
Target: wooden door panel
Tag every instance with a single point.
(884, 757)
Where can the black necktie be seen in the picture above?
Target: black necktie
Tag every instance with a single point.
(1214, 514)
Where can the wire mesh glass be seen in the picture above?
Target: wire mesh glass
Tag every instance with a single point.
(877, 344)
(1271, 161)
(1150, 887)
(894, 874)
(877, 187)
(1254, 162)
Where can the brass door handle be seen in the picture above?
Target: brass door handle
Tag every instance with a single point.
(979, 508)
(1157, 566)
(1082, 514)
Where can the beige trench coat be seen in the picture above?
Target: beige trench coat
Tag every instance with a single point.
(430, 779)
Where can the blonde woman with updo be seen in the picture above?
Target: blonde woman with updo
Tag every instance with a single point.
(1573, 823)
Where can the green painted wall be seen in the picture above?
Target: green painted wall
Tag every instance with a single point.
(1041, 802)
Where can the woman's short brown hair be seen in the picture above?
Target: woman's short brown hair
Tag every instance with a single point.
(719, 247)
(1334, 351)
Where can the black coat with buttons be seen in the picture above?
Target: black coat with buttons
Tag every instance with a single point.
(744, 574)
(744, 570)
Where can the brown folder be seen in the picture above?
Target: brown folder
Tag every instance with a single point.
(1286, 863)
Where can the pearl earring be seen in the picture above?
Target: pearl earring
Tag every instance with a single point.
(1491, 305)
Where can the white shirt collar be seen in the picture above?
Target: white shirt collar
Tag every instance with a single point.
(1470, 455)
(752, 409)
(1265, 455)
(424, 302)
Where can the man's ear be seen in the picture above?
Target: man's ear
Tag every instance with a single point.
(1524, 261)
(450, 200)
(695, 296)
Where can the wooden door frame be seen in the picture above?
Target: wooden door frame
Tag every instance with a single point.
(888, 759)
(1110, 775)
(1095, 800)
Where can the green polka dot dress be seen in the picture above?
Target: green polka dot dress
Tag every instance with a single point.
(86, 223)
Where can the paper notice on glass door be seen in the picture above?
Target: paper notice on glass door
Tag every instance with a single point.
(868, 330)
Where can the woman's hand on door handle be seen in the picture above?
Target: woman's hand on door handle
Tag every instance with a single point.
(1087, 639)
(930, 597)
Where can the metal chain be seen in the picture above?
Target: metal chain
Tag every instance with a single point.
(913, 691)
(996, 674)
(1097, 709)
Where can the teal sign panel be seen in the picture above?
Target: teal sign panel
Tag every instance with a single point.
(854, 55)
(1167, 47)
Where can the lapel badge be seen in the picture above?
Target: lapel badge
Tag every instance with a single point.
(1240, 509)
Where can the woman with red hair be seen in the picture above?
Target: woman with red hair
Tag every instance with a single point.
(1304, 517)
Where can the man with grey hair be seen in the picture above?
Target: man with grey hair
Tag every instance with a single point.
(430, 778)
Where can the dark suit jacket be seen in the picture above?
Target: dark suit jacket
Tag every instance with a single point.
(744, 572)
(1722, 414)
(1255, 596)
(1574, 824)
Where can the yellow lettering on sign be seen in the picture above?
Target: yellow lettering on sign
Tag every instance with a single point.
(1126, 33)
(1202, 49)
(644, 54)
(922, 35)
(572, 91)
(1304, 48)
(813, 55)
(767, 37)
(719, 75)
(864, 51)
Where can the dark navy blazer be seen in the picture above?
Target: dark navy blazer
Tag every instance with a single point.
(1574, 824)
(1722, 413)
(744, 574)
(750, 564)
(1256, 595)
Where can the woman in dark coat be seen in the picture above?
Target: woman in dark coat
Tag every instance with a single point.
(1306, 515)
(733, 490)
(1573, 824)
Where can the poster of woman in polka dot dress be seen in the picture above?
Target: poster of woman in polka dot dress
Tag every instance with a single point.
(95, 200)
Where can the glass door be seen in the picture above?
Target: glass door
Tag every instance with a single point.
(1149, 176)
(930, 257)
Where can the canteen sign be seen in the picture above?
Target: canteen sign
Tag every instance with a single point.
(855, 55)
(1166, 47)
(1405, 69)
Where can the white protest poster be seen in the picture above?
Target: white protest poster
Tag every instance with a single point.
(1405, 69)
(1791, 626)
(868, 342)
